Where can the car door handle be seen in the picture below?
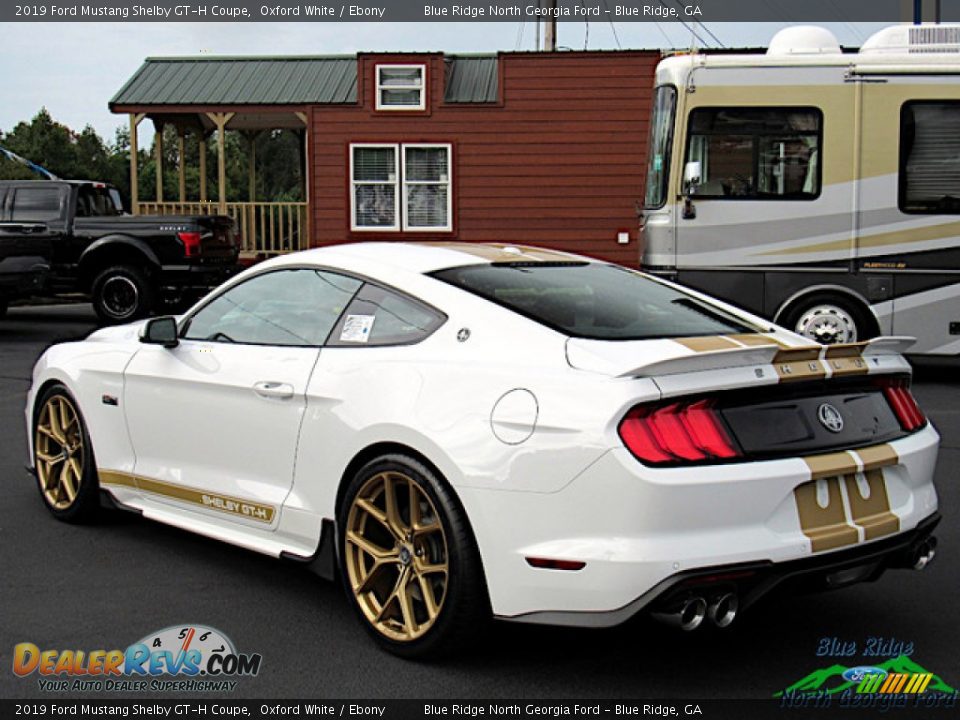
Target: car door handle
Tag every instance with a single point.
(269, 389)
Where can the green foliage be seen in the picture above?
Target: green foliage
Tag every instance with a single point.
(85, 155)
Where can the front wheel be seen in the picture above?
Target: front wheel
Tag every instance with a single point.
(828, 320)
(410, 564)
(63, 457)
(122, 293)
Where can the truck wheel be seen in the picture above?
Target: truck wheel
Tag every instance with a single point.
(122, 293)
(828, 319)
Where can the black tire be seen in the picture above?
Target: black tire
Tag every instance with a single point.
(829, 319)
(464, 608)
(122, 293)
(85, 504)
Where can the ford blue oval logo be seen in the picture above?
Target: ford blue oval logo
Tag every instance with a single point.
(830, 417)
(856, 674)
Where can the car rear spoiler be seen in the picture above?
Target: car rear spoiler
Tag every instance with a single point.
(669, 357)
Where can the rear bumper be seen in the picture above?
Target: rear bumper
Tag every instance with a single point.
(195, 278)
(752, 581)
(638, 531)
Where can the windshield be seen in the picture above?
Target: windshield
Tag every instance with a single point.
(594, 300)
(660, 145)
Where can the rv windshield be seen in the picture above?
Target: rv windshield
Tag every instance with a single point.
(660, 145)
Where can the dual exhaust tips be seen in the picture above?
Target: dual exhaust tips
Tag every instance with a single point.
(690, 612)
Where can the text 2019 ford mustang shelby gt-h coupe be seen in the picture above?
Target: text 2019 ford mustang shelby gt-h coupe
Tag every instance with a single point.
(463, 431)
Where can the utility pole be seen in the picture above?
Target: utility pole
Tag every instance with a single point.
(550, 28)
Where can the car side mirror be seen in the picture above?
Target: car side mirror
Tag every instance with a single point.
(160, 331)
(691, 179)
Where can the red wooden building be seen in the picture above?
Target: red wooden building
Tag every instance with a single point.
(539, 148)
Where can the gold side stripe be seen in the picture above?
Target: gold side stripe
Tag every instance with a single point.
(896, 237)
(212, 501)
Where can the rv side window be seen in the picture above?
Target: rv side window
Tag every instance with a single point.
(930, 157)
(756, 153)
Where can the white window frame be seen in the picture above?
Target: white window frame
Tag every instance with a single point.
(396, 182)
(401, 184)
(407, 183)
(422, 87)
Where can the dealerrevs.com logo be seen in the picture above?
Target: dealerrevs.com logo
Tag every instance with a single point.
(180, 658)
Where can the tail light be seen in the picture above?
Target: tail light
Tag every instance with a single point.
(904, 406)
(191, 243)
(681, 432)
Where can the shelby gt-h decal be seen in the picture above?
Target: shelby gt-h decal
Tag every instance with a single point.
(468, 431)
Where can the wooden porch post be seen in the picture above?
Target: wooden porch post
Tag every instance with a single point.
(158, 150)
(221, 120)
(304, 147)
(135, 119)
(251, 136)
(203, 166)
(181, 163)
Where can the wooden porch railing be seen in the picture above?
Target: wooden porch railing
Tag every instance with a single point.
(270, 228)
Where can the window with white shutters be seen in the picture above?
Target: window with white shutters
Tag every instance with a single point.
(930, 157)
(401, 187)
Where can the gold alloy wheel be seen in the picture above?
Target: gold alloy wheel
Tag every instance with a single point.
(396, 556)
(58, 449)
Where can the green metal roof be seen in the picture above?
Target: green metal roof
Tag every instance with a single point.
(241, 81)
(309, 80)
(472, 79)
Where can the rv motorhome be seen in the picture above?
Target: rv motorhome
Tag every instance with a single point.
(815, 187)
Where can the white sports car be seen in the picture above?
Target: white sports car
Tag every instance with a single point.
(468, 430)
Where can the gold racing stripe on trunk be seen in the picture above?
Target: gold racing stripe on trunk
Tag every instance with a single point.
(212, 501)
(826, 527)
(877, 456)
(872, 512)
(831, 465)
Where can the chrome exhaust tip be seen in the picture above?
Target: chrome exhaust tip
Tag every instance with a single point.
(687, 615)
(925, 553)
(722, 610)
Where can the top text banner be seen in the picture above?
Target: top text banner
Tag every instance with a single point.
(478, 11)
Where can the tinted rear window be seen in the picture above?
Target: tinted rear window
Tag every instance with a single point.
(594, 301)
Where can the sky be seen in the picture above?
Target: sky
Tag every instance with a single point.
(73, 69)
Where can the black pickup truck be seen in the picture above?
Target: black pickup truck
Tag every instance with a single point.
(128, 264)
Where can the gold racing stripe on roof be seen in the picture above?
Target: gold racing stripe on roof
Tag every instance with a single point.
(210, 500)
(505, 253)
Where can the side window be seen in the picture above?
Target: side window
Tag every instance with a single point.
(284, 307)
(378, 316)
(756, 153)
(40, 204)
(930, 157)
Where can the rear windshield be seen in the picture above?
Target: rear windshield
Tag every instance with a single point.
(594, 301)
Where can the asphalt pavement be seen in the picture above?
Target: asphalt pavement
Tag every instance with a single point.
(108, 585)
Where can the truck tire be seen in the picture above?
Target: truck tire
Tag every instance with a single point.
(122, 293)
(828, 319)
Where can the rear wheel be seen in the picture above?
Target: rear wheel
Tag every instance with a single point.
(828, 319)
(63, 458)
(122, 293)
(409, 561)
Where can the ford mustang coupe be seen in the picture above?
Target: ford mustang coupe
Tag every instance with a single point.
(463, 431)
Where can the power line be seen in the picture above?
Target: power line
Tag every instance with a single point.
(692, 31)
(613, 27)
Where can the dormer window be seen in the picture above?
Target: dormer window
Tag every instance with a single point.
(401, 87)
